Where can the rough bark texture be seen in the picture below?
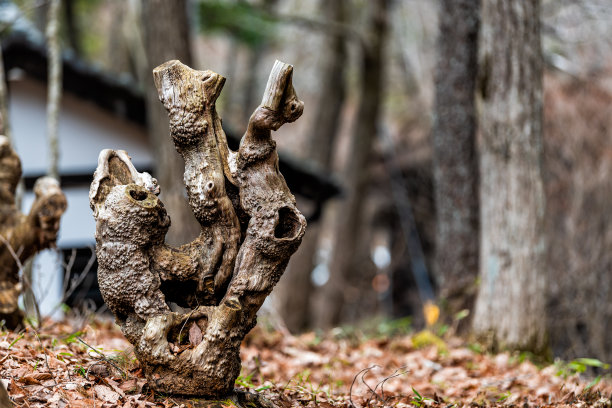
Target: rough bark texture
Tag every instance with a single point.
(166, 34)
(22, 235)
(296, 285)
(5, 126)
(355, 174)
(510, 308)
(55, 87)
(455, 162)
(187, 309)
(577, 163)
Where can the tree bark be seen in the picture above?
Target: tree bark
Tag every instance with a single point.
(510, 307)
(333, 67)
(23, 235)
(166, 32)
(455, 162)
(55, 87)
(255, 54)
(213, 286)
(5, 125)
(54, 100)
(355, 173)
(296, 288)
(72, 29)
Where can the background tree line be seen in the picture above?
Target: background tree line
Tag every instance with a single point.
(486, 124)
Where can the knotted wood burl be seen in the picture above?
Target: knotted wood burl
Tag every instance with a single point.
(186, 309)
(23, 235)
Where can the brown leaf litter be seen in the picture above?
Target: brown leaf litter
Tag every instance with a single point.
(62, 366)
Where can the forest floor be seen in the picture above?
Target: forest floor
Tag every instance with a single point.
(70, 365)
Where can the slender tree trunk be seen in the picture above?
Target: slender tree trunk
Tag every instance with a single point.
(55, 87)
(72, 29)
(133, 34)
(510, 308)
(254, 58)
(166, 32)
(54, 99)
(118, 50)
(5, 125)
(455, 163)
(295, 289)
(355, 173)
(328, 110)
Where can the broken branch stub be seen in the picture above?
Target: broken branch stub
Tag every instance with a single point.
(186, 309)
(22, 235)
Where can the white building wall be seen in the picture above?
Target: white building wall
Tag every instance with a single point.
(84, 130)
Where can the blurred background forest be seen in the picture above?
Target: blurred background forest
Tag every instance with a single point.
(369, 159)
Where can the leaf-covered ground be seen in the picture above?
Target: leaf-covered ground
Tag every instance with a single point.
(62, 366)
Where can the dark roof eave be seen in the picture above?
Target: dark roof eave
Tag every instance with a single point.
(116, 94)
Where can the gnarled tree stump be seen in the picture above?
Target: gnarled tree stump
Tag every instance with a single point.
(187, 309)
(22, 235)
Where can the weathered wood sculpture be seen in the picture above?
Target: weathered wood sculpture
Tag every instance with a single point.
(21, 235)
(187, 309)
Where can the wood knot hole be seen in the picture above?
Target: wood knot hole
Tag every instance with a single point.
(288, 225)
(138, 195)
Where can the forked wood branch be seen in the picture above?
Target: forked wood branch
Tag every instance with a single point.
(187, 309)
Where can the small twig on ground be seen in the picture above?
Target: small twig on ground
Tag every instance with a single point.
(46, 357)
(67, 269)
(365, 371)
(372, 391)
(12, 252)
(396, 373)
(184, 323)
(106, 359)
(74, 283)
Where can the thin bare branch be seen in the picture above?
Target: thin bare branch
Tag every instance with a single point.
(106, 359)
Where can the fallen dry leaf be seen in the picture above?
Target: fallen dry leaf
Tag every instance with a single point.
(106, 393)
(195, 334)
(115, 387)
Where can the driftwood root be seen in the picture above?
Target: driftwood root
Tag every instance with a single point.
(186, 309)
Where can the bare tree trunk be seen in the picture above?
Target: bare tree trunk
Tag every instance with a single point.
(133, 35)
(355, 174)
(455, 162)
(255, 56)
(55, 87)
(54, 96)
(166, 32)
(328, 110)
(510, 307)
(72, 29)
(296, 288)
(122, 50)
(5, 125)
